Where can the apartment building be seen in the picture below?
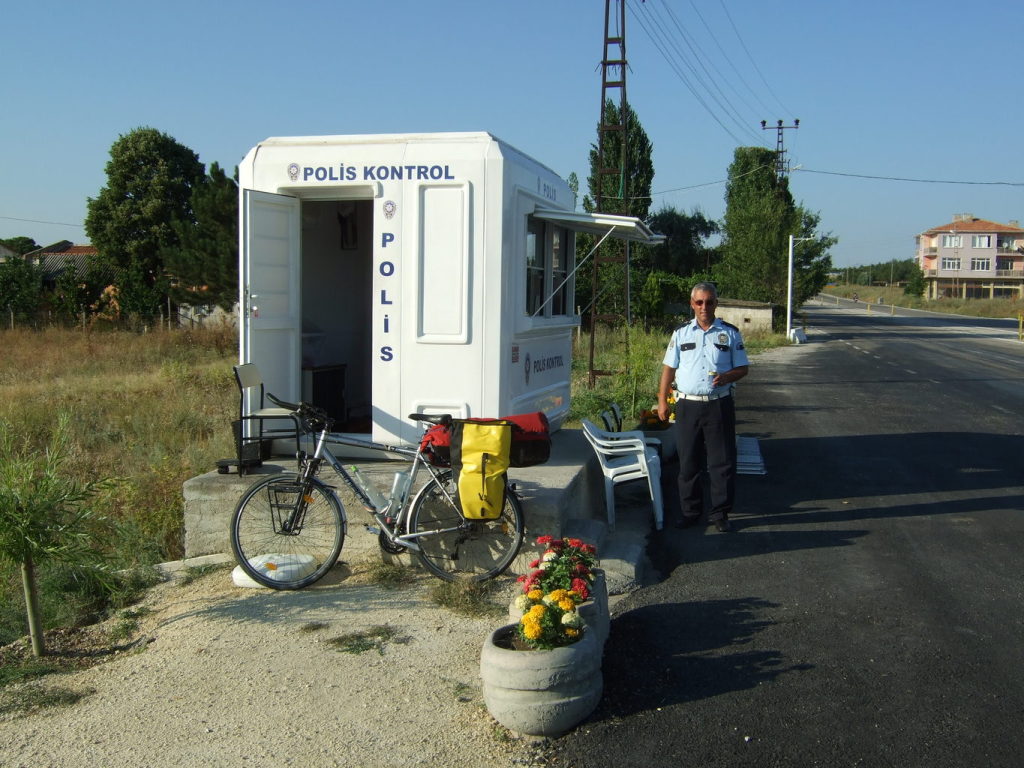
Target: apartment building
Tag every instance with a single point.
(972, 258)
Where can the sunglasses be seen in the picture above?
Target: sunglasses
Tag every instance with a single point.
(702, 302)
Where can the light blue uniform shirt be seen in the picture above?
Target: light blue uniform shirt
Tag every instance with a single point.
(694, 352)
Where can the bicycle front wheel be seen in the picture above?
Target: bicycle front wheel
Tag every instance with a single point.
(282, 543)
(452, 547)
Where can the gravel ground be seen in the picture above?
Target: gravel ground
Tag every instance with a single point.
(228, 676)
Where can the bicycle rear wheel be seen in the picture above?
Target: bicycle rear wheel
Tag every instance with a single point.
(461, 548)
(280, 545)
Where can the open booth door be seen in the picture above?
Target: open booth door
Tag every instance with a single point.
(271, 316)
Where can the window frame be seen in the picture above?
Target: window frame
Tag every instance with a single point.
(950, 263)
(952, 241)
(976, 241)
(549, 289)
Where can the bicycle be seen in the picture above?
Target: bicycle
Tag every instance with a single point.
(288, 530)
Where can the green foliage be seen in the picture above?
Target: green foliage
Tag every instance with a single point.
(759, 216)
(21, 288)
(915, 283)
(629, 195)
(20, 245)
(44, 514)
(150, 178)
(205, 263)
(684, 251)
(374, 638)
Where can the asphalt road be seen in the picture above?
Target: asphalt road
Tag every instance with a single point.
(870, 608)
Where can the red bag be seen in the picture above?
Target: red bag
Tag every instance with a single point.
(531, 439)
(436, 444)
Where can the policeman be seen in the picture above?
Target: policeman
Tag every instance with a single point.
(704, 359)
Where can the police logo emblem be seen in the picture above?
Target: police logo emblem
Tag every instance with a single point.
(293, 171)
(389, 209)
(723, 338)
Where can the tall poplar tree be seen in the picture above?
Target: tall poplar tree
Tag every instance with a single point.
(629, 196)
(204, 264)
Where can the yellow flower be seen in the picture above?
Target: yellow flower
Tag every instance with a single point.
(566, 604)
(532, 630)
(558, 595)
(537, 611)
(535, 594)
(570, 632)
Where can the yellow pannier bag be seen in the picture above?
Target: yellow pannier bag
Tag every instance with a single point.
(480, 455)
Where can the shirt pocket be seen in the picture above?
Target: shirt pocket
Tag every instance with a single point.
(722, 357)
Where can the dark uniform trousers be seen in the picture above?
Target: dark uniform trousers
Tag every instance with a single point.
(706, 431)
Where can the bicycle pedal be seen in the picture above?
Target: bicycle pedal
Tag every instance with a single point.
(373, 529)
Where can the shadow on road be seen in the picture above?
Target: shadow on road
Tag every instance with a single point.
(665, 654)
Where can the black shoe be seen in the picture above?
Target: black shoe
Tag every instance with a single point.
(687, 522)
(724, 526)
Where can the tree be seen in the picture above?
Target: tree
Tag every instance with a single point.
(20, 245)
(759, 217)
(684, 250)
(811, 260)
(44, 516)
(204, 265)
(630, 196)
(21, 288)
(150, 178)
(915, 283)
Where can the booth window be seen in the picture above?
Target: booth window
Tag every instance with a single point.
(548, 249)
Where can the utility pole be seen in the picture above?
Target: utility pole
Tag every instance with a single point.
(781, 166)
(611, 137)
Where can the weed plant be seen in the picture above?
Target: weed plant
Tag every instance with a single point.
(469, 598)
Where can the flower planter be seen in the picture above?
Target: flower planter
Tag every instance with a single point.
(540, 692)
(594, 610)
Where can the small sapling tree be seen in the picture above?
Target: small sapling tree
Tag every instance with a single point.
(44, 515)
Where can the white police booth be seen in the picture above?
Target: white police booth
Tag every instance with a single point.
(382, 275)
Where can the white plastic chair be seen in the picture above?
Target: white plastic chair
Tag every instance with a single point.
(617, 414)
(625, 456)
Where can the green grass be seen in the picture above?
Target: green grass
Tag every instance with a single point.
(634, 358)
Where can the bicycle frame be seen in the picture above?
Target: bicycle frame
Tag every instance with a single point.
(391, 522)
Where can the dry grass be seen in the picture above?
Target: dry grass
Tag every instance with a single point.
(150, 410)
(971, 307)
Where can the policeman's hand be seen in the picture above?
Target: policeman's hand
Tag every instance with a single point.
(663, 411)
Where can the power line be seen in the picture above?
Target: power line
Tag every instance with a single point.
(37, 221)
(752, 61)
(917, 181)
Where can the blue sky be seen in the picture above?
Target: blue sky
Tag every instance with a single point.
(904, 88)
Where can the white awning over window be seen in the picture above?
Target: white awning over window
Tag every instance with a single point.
(623, 227)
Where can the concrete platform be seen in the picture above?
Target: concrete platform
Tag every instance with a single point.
(563, 497)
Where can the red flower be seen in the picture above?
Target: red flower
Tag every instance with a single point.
(544, 539)
(580, 587)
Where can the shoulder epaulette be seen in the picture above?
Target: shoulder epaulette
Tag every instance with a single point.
(729, 325)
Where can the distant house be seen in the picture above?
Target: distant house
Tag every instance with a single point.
(56, 259)
(972, 258)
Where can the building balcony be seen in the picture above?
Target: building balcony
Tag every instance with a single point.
(1017, 273)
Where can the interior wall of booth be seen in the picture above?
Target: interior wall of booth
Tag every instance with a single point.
(337, 274)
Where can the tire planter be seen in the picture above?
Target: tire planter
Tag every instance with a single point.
(540, 693)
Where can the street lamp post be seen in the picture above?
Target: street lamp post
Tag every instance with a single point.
(789, 287)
